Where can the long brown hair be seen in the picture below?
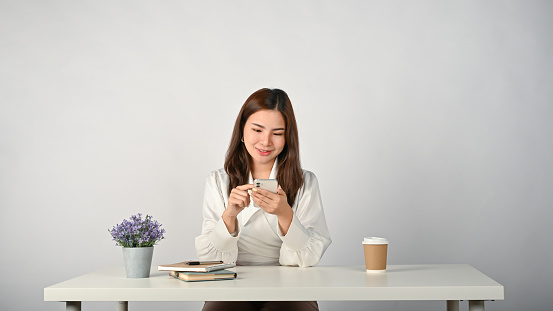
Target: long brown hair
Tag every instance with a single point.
(238, 160)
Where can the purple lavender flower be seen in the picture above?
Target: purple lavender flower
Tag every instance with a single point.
(137, 232)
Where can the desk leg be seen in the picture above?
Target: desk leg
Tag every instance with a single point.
(453, 305)
(476, 305)
(122, 306)
(72, 306)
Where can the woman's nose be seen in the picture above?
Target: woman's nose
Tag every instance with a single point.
(266, 140)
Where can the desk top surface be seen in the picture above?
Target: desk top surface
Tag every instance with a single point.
(271, 283)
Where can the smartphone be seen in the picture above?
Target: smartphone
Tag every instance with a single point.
(267, 184)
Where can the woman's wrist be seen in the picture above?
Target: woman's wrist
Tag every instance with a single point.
(230, 222)
(285, 220)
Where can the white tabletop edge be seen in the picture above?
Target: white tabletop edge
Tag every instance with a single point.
(400, 282)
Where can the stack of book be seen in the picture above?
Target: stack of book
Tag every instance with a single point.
(191, 271)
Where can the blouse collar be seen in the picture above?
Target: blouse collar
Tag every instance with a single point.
(273, 174)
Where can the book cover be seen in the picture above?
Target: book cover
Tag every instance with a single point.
(202, 276)
(196, 266)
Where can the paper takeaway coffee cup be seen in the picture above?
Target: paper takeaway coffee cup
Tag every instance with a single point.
(376, 253)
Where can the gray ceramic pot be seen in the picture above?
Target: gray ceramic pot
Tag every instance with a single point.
(138, 261)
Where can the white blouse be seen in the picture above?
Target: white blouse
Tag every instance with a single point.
(258, 240)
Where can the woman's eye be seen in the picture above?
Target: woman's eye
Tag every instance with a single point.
(256, 130)
(278, 134)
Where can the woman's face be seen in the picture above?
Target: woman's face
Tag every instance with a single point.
(264, 136)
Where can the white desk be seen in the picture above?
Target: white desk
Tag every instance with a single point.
(449, 283)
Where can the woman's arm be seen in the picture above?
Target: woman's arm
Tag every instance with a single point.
(307, 238)
(215, 242)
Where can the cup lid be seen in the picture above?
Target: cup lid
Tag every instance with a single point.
(375, 240)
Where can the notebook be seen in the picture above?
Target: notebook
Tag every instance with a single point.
(196, 266)
(203, 276)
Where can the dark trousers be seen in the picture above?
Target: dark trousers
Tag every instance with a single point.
(261, 306)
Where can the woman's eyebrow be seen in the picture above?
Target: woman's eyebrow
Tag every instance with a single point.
(261, 126)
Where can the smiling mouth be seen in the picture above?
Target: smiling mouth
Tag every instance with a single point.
(263, 152)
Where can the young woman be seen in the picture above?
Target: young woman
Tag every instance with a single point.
(283, 228)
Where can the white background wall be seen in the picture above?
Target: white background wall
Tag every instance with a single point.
(428, 122)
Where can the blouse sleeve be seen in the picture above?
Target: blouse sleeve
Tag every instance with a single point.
(215, 242)
(307, 238)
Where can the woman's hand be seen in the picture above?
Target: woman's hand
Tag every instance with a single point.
(276, 204)
(237, 201)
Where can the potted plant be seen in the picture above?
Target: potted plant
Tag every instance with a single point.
(137, 236)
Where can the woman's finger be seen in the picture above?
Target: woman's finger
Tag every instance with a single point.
(239, 193)
(265, 193)
(245, 187)
(239, 197)
(264, 204)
